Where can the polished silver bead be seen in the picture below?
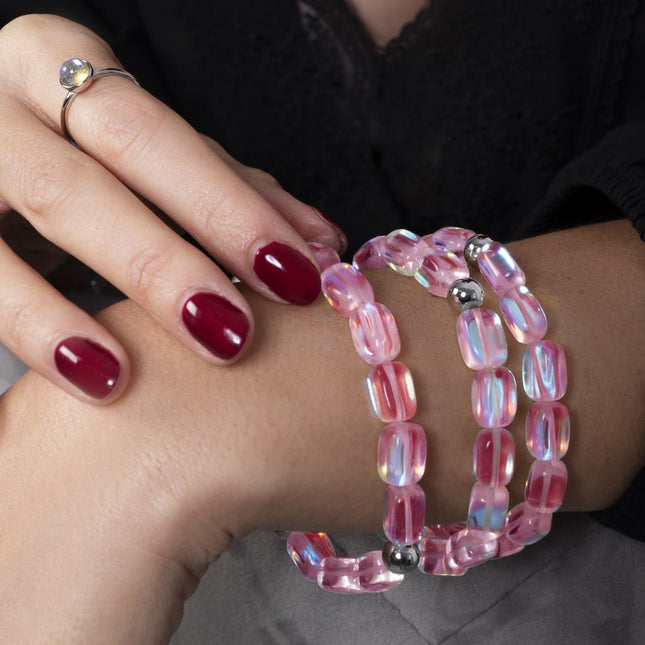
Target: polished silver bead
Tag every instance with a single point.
(474, 246)
(400, 559)
(465, 294)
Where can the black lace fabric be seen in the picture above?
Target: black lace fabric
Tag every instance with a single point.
(464, 118)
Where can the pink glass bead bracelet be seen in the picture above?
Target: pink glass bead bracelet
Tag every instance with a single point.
(438, 262)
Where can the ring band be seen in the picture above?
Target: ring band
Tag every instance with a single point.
(76, 75)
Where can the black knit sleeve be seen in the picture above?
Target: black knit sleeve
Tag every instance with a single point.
(607, 181)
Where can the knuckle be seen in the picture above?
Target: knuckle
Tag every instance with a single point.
(213, 213)
(145, 269)
(25, 26)
(49, 189)
(126, 126)
(259, 177)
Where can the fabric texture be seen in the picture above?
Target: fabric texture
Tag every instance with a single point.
(510, 118)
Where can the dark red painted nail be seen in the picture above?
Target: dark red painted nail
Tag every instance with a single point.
(287, 273)
(90, 367)
(342, 238)
(218, 325)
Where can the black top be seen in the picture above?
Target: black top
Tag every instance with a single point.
(512, 118)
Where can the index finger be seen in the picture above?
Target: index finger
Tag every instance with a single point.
(160, 156)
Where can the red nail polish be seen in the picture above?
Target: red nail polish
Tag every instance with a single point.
(90, 367)
(218, 325)
(341, 234)
(287, 273)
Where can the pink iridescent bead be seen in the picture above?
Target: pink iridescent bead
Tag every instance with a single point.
(525, 525)
(470, 547)
(450, 238)
(374, 333)
(404, 251)
(547, 430)
(439, 269)
(401, 453)
(487, 508)
(433, 245)
(546, 485)
(500, 269)
(432, 550)
(374, 576)
(506, 547)
(481, 339)
(544, 371)
(523, 315)
(345, 288)
(370, 255)
(325, 256)
(391, 391)
(339, 575)
(494, 456)
(494, 397)
(308, 550)
(403, 514)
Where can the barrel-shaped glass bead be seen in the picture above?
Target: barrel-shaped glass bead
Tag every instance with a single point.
(525, 525)
(345, 288)
(548, 430)
(325, 256)
(493, 396)
(375, 333)
(432, 550)
(450, 238)
(373, 574)
(523, 315)
(339, 575)
(546, 485)
(470, 547)
(403, 251)
(439, 269)
(505, 547)
(401, 453)
(403, 514)
(487, 508)
(544, 371)
(494, 457)
(500, 269)
(371, 255)
(391, 391)
(481, 339)
(308, 550)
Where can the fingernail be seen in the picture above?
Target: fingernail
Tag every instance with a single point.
(90, 367)
(287, 273)
(218, 325)
(342, 238)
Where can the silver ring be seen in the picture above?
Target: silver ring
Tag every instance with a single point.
(76, 75)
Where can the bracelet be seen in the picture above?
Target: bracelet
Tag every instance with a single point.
(438, 262)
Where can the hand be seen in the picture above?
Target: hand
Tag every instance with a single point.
(123, 507)
(100, 203)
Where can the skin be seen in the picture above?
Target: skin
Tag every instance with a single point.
(129, 503)
(383, 19)
(115, 204)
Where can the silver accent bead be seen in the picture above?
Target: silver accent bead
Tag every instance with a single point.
(400, 559)
(474, 246)
(465, 294)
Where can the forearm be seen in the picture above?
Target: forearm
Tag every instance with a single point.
(121, 497)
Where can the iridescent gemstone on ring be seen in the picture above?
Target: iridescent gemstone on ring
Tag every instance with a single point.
(75, 72)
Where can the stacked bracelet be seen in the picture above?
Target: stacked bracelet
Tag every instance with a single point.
(438, 262)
